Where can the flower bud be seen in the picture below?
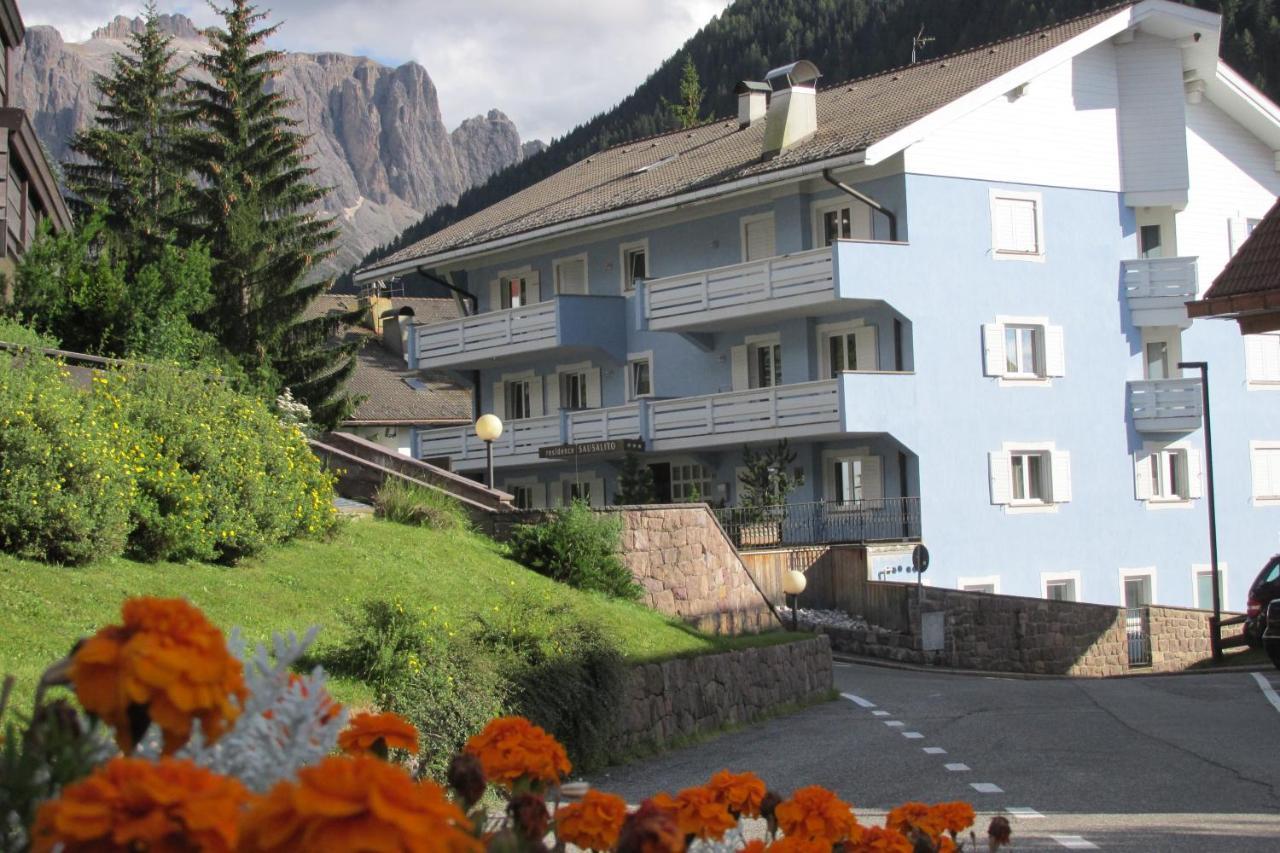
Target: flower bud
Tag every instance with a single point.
(467, 778)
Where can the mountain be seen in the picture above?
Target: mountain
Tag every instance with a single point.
(846, 39)
(377, 136)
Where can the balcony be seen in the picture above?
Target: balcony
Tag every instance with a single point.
(802, 284)
(1157, 290)
(1166, 405)
(519, 443)
(560, 326)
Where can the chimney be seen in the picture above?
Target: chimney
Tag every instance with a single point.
(753, 98)
(793, 109)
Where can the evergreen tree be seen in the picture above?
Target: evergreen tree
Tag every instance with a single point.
(635, 482)
(687, 112)
(129, 162)
(254, 205)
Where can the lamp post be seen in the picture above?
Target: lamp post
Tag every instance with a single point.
(1215, 627)
(489, 430)
(793, 583)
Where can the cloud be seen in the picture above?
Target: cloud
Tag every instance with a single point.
(549, 64)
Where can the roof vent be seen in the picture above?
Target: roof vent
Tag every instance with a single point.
(753, 98)
(793, 110)
(655, 164)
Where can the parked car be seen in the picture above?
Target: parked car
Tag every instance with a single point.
(1271, 634)
(1265, 589)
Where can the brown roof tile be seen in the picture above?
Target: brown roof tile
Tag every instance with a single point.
(1255, 267)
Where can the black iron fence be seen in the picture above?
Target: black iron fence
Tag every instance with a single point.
(822, 522)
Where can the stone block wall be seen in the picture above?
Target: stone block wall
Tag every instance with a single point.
(683, 697)
(1180, 637)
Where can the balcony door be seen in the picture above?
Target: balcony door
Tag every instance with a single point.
(514, 290)
(852, 479)
(848, 347)
(842, 219)
(1161, 352)
(758, 240)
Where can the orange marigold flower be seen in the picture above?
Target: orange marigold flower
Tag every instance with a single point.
(511, 749)
(134, 804)
(955, 817)
(741, 792)
(650, 829)
(815, 812)
(697, 812)
(365, 730)
(796, 844)
(348, 803)
(875, 839)
(919, 816)
(756, 845)
(168, 661)
(593, 823)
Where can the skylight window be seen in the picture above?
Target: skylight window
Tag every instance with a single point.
(655, 164)
(416, 383)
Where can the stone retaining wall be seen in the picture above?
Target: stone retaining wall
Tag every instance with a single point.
(684, 697)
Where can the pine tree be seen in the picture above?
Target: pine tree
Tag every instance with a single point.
(254, 206)
(129, 162)
(687, 112)
(635, 482)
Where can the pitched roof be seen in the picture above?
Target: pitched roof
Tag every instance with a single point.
(1250, 282)
(851, 116)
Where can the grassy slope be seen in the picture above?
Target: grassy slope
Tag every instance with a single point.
(43, 609)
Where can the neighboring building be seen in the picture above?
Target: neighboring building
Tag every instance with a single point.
(397, 401)
(1248, 291)
(957, 288)
(28, 189)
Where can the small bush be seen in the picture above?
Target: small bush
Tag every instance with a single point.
(408, 503)
(578, 547)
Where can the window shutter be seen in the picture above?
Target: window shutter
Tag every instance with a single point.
(741, 377)
(495, 295)
(1142, 476)
(499, 406)
(597, 492)
(573, 276)
(1262, 357)
(1195, 474)
(538, 493)
(1237, 230)
(1060, 486)
(535, 397)
(1025, 238)
(1001, 488)
(533, 285)
(872, 478)
(1055, 359)
(993, 349)
(864, 345)
(553, 392)
(593, 388)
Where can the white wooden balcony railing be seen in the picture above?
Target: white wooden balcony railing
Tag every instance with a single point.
(508, 331)
(1157, 290)
(784, 410)
(602, 424)
(1166, 405)
(520, 441)
(704, 298)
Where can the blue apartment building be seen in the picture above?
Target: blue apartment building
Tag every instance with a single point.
(957, 289)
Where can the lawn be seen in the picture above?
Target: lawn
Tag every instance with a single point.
(455, 577)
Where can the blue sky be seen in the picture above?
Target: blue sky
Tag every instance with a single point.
(548, 64)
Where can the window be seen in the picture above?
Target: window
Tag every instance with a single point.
(1149, 244)
(635, 263)
(1030, 477)
(841, 220)
(1137, 588)
(522, 496)
(853, 479)
(640, 376)
(690, 482)
(1264, 458)
(518, 402)
(1262, 359)
(1016, 225)
(990, 584)
(1249, 225)
(1169, 477)
(1060, 590)
(571, 275)
(517, 291)
(390, 432)
(1157, 364)
(765, 361)
(850, 348)
(589, 490)
(1203, 575)
(1023, 350)
(573, 390)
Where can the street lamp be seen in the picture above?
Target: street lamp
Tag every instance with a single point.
(1215, 632)
(793, 583)
(489, 430)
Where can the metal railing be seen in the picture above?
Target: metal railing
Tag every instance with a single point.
(822, 522)
(1137, 627)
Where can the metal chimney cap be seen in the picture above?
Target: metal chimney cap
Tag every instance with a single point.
(750, 86)
(799, 73)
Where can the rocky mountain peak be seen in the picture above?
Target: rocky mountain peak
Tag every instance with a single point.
(121, 27)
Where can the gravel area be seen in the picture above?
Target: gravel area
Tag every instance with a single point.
(829, 619)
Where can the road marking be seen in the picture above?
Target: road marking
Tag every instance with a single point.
(858, 700)
(986, 787)
(934, 750)
(957, 767)
(880, 713)
(1267, 689)
(894, 724)
(912, 735)
(1023, 812)
(1074, 842)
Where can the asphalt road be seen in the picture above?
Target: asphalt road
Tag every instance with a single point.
(1173, 763)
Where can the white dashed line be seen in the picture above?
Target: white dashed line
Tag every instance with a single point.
(894, 724)
(1267, 690)
(913, 735)
(1074, 842)
(880, 713)
(1023, 812)
(858, 700)
(957, 767)
(986, 787)
(934, 750)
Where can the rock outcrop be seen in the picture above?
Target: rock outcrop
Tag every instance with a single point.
(377, 136)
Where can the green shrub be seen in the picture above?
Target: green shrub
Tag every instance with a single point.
(408, 503)
(577, 546)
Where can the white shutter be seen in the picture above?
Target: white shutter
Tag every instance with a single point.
(495, 295)
(1237, 231)
(1014, 225)
(759, 238)
(1055, 358)
(998, 469)
(864, 348)
(1262, 357)
(553, 393)
(538, 495)
(1060, 486)
(872, 478)
(1142, 476)
(597, 492)
(535, 397)
(533, 286)
(499, 406)
(993, 358)
(1195, 474)
(593, 388)
(572, 276)
(741, 377)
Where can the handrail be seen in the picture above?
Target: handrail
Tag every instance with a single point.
(741, 265)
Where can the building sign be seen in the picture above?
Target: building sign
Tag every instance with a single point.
(592, 448)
